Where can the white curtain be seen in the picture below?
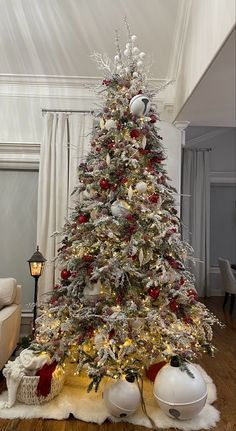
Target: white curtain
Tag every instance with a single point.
(65, 143)
(196, 212)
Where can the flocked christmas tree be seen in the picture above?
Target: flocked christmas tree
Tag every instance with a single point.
(126, 296)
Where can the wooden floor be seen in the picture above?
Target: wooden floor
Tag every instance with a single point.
(222, 369)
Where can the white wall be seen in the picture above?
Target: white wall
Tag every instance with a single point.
(222, 141)
(209, 24)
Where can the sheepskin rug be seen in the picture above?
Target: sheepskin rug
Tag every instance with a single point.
(75, 400)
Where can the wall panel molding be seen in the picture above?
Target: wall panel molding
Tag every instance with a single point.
(19, 155)
(226, 178)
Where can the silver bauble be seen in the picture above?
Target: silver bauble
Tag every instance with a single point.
(120, 208)
(110, 124)
(141, 187)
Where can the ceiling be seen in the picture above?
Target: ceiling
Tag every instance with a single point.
(57, 37)
(212, 102)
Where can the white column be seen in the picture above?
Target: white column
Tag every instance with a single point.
(182, 126)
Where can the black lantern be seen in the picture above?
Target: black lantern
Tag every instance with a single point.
(36, 264)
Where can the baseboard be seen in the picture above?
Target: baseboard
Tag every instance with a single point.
(26, 323)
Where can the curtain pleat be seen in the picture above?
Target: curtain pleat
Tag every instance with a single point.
(64, 144)
(196, 213)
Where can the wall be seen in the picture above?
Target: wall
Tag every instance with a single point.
(18, 215)
(209, 24)
(222, 141)
(22, 99)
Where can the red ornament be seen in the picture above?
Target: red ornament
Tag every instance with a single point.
(157, 160)
(98, 149)
(89, 270)
(130, 217)
(174, 306)
(65, 274)
(104, 184)
(153, 118)
(192, 293)
(134, 133)
(143, 151)
(111, 333)
(187, 320)
(82, 219)
(154, 198)
(53, 300)
(106, 82)
(111, 146)
(88, 258)
(154, 292)
(152, 371)
(124, 180)
(181, 281)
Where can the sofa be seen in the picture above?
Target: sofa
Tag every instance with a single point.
(10, 318)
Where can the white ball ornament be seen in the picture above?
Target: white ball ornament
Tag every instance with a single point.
(140, 105)
(122, 398)
(116, 58)
(142, 55)
(92, 291)
(133, 38)
(140, 64)
(141, 187)
(135, 50)
(118, 67)
(120, 208)
(126, 52)
(180, 395)
(110, 124)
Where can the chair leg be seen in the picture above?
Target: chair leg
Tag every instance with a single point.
(232, 303)
(226, 299)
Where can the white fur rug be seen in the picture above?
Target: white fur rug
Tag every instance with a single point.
(75, 400)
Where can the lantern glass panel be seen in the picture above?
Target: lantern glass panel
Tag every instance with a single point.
(36, 268)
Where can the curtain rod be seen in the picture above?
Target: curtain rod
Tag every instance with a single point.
(69, 111)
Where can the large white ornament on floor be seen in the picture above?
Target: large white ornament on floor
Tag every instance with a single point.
(121, 398)
(140, 105)
(178, 394)
(120, 208)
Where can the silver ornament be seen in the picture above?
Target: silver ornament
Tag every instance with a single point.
(141, 187)
(120, 208)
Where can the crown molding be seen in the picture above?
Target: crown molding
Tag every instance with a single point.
(179, 38)
(85, 82)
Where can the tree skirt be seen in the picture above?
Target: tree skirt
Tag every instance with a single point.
(75, 400)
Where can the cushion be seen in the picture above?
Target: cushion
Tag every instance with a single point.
(7, 291)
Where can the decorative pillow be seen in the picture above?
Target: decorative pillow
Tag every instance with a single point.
(7, 291)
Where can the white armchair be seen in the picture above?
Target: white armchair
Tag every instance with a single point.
(10, 318)
(228, 282)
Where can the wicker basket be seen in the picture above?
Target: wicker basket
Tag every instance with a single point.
(27, 390)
